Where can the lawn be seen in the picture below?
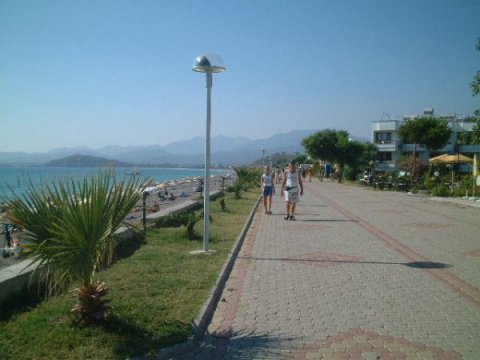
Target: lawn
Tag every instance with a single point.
(156, 288)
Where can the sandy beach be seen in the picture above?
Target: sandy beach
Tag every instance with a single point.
(182, 189)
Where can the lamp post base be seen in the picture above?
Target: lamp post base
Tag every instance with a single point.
(202, 252)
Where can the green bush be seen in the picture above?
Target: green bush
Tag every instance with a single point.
(249, 177)
(441, 190)
(222, 203)
(187, 219)
(431, 183)
(171, 220)
(238, 187)
(350, 173)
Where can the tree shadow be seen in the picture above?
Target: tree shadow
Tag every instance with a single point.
(126, 247)
(242, 345)
(24, 300)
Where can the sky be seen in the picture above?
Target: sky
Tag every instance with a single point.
(115, 72)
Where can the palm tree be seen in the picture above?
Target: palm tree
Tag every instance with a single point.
(247, 177)
(70, 227)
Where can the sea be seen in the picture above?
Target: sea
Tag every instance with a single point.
(19, 177)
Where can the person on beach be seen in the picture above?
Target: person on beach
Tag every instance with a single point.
(268, 189)
(291, 182)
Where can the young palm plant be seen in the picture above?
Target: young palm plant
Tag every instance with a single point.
(70, 227)
(187, 219)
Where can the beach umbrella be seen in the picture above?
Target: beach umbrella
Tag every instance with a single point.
(451, 159)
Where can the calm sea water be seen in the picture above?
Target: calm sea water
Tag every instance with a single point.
(18, 177)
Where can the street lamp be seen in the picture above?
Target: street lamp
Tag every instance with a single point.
(263, 156)
(208, 64)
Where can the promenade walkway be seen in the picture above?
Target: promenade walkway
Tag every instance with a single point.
(360, 274)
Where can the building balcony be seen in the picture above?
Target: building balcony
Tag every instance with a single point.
(465, 149)
(384, 146)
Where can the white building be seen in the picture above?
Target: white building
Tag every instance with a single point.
(391, 147)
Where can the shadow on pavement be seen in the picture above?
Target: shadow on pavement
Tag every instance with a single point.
(427, 265)
(243, 345)
(327, 220)
(414, 265)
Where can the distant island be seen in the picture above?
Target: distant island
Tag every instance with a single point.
(79, 160)
(85, 161)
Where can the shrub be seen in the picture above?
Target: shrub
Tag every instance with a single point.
(430, 183)
(350, 173)
(441, 190)
(171, 220)
(187, 219)
(238, 187)
(248, 176)
(222, 203)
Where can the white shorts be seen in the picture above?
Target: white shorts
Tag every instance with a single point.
(291, 196)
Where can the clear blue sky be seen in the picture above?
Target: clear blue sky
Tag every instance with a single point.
(119, 72)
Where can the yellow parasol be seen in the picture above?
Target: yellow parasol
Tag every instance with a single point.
(451, 159)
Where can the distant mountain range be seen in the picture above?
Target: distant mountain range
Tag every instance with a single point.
(224, 150)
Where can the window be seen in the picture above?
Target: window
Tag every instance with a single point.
(384, 156)
(383, 137)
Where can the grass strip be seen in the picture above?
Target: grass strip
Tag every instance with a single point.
(156, 289)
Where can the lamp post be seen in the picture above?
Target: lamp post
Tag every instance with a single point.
(208, 64)
(263, 157)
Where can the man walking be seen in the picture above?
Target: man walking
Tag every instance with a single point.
(290, 184)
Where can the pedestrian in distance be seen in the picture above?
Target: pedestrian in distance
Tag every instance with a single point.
(290, 186)
(268, 188)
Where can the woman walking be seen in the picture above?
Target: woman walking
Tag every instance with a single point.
(268, 189)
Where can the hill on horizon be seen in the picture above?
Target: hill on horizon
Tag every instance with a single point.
(79, 160)
(224, 150)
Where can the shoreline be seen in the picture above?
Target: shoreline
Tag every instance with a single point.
(184, 186)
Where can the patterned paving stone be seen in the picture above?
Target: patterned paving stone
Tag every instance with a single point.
(360, 275)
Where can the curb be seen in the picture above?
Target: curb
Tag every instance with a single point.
(200, 324)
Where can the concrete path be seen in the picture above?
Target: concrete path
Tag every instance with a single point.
(360, 274)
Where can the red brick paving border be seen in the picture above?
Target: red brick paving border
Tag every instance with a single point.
(358, 343)
(464, 289)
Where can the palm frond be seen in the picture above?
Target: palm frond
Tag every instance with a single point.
(70, 224)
